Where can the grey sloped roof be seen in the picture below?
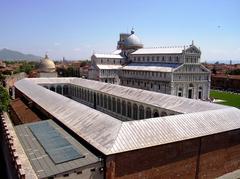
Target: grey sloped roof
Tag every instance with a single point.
(110, 135)
(99, 55)
(160, 50)
(97, 128)
(163, 130)
(158, 67)
(107, 67)
(159, 100)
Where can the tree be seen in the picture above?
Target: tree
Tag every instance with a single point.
(4, 99)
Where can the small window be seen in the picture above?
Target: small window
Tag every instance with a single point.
(66, 175)
(79, 172)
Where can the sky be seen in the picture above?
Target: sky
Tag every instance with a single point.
(75, 29)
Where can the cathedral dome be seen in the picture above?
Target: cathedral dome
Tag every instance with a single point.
(133, 42)
(47, 65)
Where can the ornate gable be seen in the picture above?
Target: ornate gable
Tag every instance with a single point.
(193, 49)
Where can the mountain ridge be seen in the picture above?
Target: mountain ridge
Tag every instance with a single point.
(12, 55)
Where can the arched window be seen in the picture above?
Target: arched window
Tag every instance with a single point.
(65, 90)
(113, 104)
(105, 101)
(59, 89)
(82, 93)
(163, 113)
(91, 97)
(52, 88)
(98, 98)
(109, 103)
(180, 91)
(88, 96)
(135, 111)
(129, 110)
(148, 113)
(75, 90)
(200, 92)
(101, 100)
(155, 114)
(118, 106)
(141, 112)
(123, 108)
(190, 91)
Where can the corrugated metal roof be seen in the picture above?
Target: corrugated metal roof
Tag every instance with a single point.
(40, 160)
(159, 100)
(107, 67)
(98, 55)
(111, 135)
(160, 50)
(159, 67)
(158, 131)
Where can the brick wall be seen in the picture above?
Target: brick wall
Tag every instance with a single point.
(219, 154)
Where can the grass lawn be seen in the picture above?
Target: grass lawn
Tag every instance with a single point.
(229, 98)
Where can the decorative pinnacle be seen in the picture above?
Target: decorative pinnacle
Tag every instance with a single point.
(132, 31)
(46, 55)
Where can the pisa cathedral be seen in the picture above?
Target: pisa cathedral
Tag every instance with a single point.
(171, 70)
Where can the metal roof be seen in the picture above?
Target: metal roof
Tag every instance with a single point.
(160, 50)
(107, 67)
(98, 55)
(158, 67)
(40, 160)
(110, 135)
(155, 99)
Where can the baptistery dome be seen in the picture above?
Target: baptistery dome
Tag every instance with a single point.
(47, 65)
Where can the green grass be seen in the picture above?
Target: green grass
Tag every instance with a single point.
(229, 98)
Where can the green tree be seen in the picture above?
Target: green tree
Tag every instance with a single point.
(4, 99)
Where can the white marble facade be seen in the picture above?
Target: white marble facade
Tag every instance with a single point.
(171, 70)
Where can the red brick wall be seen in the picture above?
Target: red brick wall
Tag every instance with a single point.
(176, 160)
(219, 154)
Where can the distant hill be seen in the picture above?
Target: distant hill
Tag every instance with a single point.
(10, 55)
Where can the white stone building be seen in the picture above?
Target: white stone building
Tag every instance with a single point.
(171, 70)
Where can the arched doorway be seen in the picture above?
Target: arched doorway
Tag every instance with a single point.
(141, 112)
(190, 91)
(163, 114)
(200, 92)
(52, 88)
(135, 111)
(155, 114)
(148, 113)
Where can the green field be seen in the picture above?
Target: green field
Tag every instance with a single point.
(229, 98)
